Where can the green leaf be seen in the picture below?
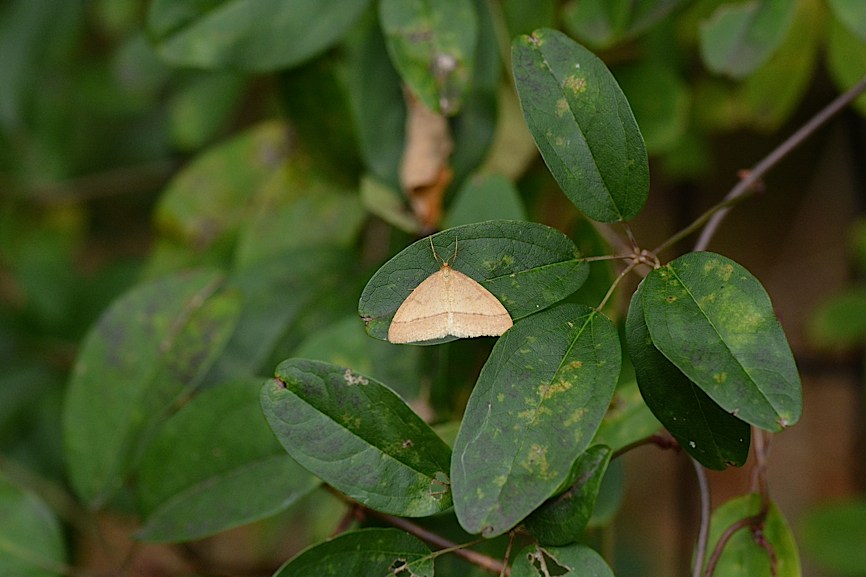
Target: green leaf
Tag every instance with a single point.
(846, 59)
(840, 321)
(432, 45)
(535, 408)
(851, 13)
(153, 344)
(288, 202)
(386, 202)
(833, 535)
(358, 436)
(739, 38)
(706, 431)
(31, 539)
(485, 197)
(582, 124)
(570, 561)
(527, 266)
(206, 203)
(604, 23)
(712, 319)
(742, 555)
(255, 35)
(363, 553)
(378, 108)
(216, 465)
(562, 519)
(193, 125)
(659, 100)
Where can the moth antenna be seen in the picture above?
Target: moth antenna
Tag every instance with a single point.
(433, 248)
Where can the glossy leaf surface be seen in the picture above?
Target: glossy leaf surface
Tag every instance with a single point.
(712, 319)
(527, 266)
(582, 124)
(706, 431)
(358, 436)
(535, 408)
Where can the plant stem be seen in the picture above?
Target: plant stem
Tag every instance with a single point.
(704, 532)
(715, 215)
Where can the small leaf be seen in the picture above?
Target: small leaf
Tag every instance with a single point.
(738, 38)
(833, 535)
(743, 555)
(432, 45)
(707, 432)
(215, 465)
(604, 23)
(851, 13)
(846, 60)
(582, 124)
(840, 321)
(527, 266)
(31, 539)
(570, 561)
(358, 436)
(485, 197)
(562, 519)
(712, 319)
(149, 347)
(363, 553)
(255, 35)
(535, 408)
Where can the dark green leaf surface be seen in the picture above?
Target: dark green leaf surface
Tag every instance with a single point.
(713, 320)
(570, 561)
(738, 38)
(742, 555)
(31, 539)
(148, 348)
(535, 408)
(706, 431)
(834, 534)
(851, 13)
(359, 437)
(582, 124)
(432, 45)
(562, 519)
(215, 465)
(527, 266)
(256, 35)
(364, 553)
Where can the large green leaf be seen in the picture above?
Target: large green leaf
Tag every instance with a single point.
(738, 38)
(712, 319)
(364, 553)
(31, 539)
(257, 35)
(706, 431)
(535, 408)
(833, 535)
(742, 555)
(432, 44)
(570, 561)
(215, 465)
(562, 519)
(527, 266)
(582, 124)
(359, 437)
(147, 349)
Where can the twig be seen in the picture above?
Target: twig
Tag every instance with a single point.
(478, 559)
(723, 541)
(660, 441)
(704, 531)
(715, 215)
